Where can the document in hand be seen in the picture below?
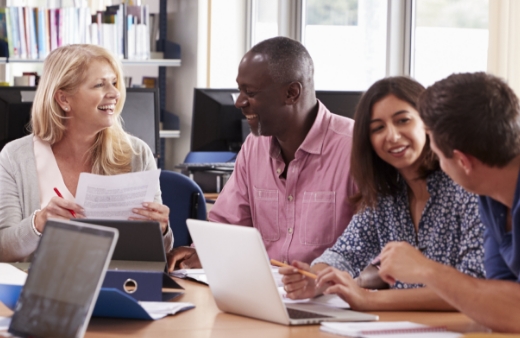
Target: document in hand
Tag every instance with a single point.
(386, 330)
(114, 197)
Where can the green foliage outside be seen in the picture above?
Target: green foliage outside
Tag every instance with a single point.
(332, 12)
(452, 13)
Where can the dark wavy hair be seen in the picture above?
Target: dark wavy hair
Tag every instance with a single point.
(374, 176)
(476, 113)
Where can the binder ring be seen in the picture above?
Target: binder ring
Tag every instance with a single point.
(130, 286)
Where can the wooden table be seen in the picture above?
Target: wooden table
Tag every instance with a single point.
(206, 321)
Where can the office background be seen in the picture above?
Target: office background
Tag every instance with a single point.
(353, 43)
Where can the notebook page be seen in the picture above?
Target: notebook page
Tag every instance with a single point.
(386, 330)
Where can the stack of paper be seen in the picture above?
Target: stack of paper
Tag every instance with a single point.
(386, 329)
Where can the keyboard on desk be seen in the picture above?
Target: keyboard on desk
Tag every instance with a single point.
(299, 314)
(207, 166)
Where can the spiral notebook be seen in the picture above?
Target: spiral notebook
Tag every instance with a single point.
(387, 330)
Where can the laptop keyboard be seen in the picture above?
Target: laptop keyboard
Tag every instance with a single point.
(230, 165)
(299, 314)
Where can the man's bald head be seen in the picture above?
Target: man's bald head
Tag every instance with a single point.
(287, 60)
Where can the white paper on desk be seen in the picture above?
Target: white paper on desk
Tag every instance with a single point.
(328, 300)
(385, 330)
(158, 310)
(195, 274)
(11, 275)
(4, 323)
(114, 197)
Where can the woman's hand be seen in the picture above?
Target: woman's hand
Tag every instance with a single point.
(57, 208)
(341, 283)
(297, 285)
(154, 212)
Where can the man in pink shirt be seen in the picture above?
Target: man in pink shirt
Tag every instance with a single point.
(292, 176)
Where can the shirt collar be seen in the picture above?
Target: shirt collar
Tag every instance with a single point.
(432, 182)
(313, 142)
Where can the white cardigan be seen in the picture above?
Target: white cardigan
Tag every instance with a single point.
(20, 196)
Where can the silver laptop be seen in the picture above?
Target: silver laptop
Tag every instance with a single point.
(239, 275)
(63, 284)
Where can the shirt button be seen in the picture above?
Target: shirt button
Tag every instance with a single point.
(278, 171)
(289, 230)
(290, 198)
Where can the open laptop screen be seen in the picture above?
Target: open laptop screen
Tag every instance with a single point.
(65, 275)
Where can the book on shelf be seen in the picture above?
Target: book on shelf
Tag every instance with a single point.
(33, 32)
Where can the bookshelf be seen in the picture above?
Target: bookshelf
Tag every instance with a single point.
(162, 55)
(149, 62)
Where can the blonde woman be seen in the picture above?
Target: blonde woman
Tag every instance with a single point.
(76, 127)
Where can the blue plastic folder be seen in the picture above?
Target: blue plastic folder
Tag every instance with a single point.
(111, 302)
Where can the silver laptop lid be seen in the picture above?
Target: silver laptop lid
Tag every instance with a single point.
(239, 274)
(238, 270)
(63, 283)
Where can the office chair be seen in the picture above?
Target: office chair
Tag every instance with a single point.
(185, 199)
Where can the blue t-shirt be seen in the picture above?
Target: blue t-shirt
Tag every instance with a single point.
(501, 248)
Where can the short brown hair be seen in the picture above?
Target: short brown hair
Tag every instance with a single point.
(475, 113)
(374, 176)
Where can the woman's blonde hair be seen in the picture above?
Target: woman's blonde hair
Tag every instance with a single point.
(65, 69)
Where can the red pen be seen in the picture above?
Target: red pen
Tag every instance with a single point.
(60, 196)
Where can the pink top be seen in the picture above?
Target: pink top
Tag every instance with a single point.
(49, 174)
(301, 216)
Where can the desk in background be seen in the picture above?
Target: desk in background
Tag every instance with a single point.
(206, 321)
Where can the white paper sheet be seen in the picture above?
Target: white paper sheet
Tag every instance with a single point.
(4, 323)
(158, 310)
(385, 330)
(11, 275)
(114, 197)
(195, 274)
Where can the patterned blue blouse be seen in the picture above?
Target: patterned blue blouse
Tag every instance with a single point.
(450, 230)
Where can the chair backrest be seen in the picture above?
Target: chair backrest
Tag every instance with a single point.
(185, 199)
(210, 157)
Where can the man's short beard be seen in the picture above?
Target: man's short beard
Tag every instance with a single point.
(258, 130)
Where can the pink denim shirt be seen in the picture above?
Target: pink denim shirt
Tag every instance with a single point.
(300, 216)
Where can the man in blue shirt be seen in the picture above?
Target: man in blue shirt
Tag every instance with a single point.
(473, 121)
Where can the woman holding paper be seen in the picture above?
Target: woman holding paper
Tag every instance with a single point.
(76, 127)
(403, 196)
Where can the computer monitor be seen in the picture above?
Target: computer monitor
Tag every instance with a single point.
(15, 112)
(339, 102)
(218, 125)
(140, 114)
(216, 122)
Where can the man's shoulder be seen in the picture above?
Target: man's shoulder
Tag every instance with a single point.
(256, 144)
(340, 125)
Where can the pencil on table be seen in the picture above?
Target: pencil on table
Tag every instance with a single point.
(303, 272)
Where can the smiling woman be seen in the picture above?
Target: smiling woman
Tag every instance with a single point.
(403, 196)
(76, 127)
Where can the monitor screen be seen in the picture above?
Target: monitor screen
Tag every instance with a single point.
(15, 112)
(340, 103)
(217, 123)
(219, 126)
(140, 114)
